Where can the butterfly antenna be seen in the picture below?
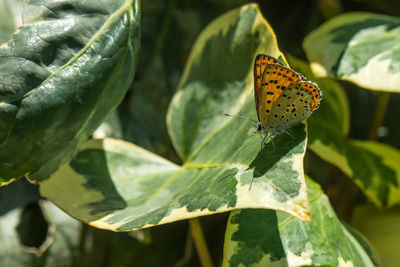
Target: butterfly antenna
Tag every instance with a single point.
(239, 116)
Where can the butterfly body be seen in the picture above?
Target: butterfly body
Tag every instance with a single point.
(283, 97)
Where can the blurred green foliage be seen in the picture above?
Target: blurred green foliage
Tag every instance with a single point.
(169, 30)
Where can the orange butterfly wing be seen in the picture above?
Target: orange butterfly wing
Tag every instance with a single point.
(260, 63)
(275, 80)
(294, 105)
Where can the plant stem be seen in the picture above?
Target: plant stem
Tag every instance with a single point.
(200, 242)
(379, 115)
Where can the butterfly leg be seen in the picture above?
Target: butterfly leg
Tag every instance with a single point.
(273, 144)
(264, 140)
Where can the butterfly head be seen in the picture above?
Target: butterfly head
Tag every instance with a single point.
(259, 128)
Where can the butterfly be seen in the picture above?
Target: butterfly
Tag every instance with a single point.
(283, 97)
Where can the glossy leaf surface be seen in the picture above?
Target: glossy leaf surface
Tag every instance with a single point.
(61, 74)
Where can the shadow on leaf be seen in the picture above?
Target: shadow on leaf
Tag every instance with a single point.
(285, 147)
(92, 164)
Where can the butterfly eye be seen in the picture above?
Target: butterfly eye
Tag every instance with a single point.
(259, 127)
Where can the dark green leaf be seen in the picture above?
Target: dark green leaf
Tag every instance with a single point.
(61, 74)
(17, 194)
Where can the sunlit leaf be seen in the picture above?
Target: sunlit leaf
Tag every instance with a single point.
(373, 166)
(272, 238)
(363, 48)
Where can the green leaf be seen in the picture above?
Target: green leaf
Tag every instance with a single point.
(266, 238)
(61, 74)
(382, 228)
(70, 243)
(34, 232)
(363, 48)
(119, 186)
(12, 253)
(61, 239)
(218, 78)
(372, 165)
(67, 236)
(141, 186)
(18, 194)
(376, 170)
